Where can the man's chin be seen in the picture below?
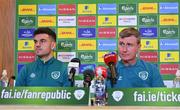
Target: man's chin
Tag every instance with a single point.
(126, 59)
(39, 55)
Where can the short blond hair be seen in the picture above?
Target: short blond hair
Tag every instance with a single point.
(127, 32)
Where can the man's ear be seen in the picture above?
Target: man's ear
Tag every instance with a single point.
(53, 45)
(139, 46)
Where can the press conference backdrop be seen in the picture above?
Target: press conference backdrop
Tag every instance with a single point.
(88, 29)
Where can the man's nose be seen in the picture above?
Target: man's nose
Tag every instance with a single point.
(124, 48)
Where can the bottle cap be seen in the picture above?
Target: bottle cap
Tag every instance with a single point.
(178, 73)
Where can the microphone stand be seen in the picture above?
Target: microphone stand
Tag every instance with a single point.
(71, 76)
(12, 77)
(113, 74)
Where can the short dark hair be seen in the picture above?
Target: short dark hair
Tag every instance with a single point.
(127, 32)
(45, 30)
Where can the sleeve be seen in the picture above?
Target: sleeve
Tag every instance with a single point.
(20, 81)
(66, 82)
(157, 80)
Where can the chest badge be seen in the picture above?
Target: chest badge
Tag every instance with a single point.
(55, 74)
(143, 75)
(32, 75)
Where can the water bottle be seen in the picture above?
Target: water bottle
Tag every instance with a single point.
(176, 82)
(4, 79)
(100, 93)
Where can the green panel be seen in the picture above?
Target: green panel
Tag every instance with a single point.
(144, 97)
(44, 96)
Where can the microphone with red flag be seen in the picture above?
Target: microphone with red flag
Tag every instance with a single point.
(101, 71)
(110, 60)
(100, 93)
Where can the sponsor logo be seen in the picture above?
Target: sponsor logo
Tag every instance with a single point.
(127, 20)
(26, 56)
(169, 32)
(106, 32)
(149, 56)
(66, 32)
(107, 45)
(84, 67)
(148, 32)
(149, 44)
(86, 44)
(169, 20)
(169, 56)
(148, 7)
(86, 32)
(148, 20)
(27, 21)
(127, 8)
(117, 95)
(106, 20)
(87, 21)
(26, 33)
(27, 9)
(66, 20)
(101, 56)
(169, 44)
(168, 7)
(66, 45)
(106, 8)
(86, 56)
(86, 8)
(46, 9)
(25, 45)
(168, 68)
(47, 21)
(66, 56)
(66, 9)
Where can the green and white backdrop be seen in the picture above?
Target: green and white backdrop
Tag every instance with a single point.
(88, 29)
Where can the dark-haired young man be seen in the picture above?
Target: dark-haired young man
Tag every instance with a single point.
(46, 70)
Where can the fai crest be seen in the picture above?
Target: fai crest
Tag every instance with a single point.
(143, 75)
(117, 95)
(32, 75)
(79, 94)
(55, 74)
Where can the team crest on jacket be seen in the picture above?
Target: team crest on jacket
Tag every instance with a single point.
(143, 75)
(55, 74)
(32, 75)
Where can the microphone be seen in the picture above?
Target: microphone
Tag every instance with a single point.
(73, 68)
(88, 77)
(100, 93)
(13, 78)
(101, 71)
(111, 59)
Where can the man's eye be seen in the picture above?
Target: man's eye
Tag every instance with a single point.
(130, 45)
(121, 44)
(35, 41)
(42, 41)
